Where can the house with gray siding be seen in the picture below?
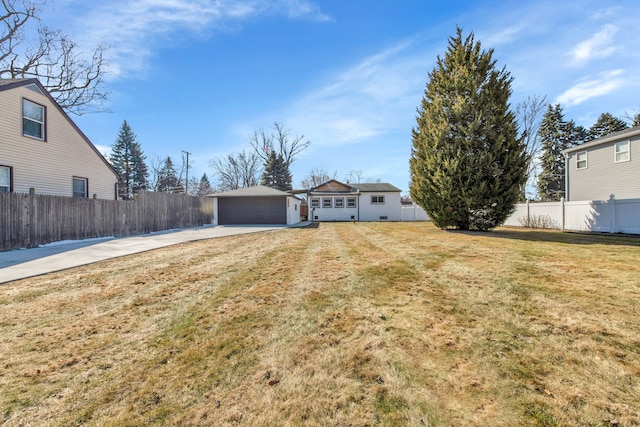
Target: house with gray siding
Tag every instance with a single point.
(604, 166)
(42, 150)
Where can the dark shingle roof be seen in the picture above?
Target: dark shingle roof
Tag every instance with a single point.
(381, 186)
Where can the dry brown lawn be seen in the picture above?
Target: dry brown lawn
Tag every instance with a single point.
(341, 325)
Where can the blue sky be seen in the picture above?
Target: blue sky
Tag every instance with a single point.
(202, 75)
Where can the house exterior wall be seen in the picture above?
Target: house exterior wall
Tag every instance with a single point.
(293, 210)
(364, 210)
(603, 176)
(391, 208)
(334, 214)
(49, 166)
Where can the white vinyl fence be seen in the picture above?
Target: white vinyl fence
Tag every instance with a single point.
(413, 213)
(604, 216)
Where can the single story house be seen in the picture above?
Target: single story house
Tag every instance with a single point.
(605, 166)
(43, 150)
(336, 201)
(255, 205)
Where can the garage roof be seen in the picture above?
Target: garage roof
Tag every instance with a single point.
(257, 191)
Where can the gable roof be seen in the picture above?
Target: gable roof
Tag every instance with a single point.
(8, 84)
(616, 136)
(377, 187)
(257, 191)
(334, 186)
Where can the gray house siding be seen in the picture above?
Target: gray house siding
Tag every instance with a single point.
(602, 175)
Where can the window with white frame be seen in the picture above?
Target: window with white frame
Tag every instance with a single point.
(80, 187)
(326, 202)
(351, 202)
(5, 179)
(377, 200)
(622, 152)
(339, 202)
(315, 202)
(581, 160)
(33, 119)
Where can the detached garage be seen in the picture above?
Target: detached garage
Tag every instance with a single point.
(255, 205)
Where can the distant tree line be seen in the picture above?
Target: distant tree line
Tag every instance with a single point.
(134, 175)
(267, 162)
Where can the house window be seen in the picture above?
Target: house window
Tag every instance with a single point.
(581, 160)
(339, 202)
(5, 179)
(315, 202)
(80, 187)
(622, 152)
(351, 202)
(33, 116)
(326, 202)
(377, 200)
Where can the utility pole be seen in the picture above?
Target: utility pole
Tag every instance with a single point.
(186, 182)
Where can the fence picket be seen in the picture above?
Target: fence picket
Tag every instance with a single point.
(29, 220)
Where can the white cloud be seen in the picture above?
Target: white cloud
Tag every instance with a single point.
(371, 98)
(590, 88)
(600, 45)
(104, 150)
(504, 36)
(133, 29)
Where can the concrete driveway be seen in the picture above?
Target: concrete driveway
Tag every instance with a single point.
(20, 264)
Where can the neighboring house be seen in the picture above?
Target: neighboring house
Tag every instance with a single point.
(335, 201)
(42, 149)
(255, 205)
(604, 166)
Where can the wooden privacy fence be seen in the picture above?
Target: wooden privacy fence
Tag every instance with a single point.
(29, 220)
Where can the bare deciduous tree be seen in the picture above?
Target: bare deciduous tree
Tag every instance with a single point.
(278, 140)
(354, 176)
(529, 113)
(316, 177)
(73, 79)
(237, 170)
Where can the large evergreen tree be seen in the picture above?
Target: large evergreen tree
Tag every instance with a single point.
(276, 173)
(467, 162)
(556, 135)
(128, 160)
(167, 180)
(605, 125)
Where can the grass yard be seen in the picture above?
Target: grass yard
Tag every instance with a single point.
(342, 325)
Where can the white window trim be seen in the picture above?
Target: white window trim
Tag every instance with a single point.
(8, 169)
(315, 202)
(378, 202)
(327, 205)
(335, 202)
(351, 205)
(616, 152)
(586, 160)
(42, 124)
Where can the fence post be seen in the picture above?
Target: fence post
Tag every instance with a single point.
(612, 204)
(528, 213)
(562, 217)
